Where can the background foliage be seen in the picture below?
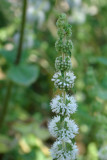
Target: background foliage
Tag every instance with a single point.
(24, 134)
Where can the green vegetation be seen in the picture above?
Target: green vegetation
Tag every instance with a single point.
(27, 66)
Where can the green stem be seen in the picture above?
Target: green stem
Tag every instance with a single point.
(5, 106)
(64, 92)
(19, 52)
(21, 32)
(64, 99)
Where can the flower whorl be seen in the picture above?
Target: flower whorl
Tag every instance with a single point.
(62, 126)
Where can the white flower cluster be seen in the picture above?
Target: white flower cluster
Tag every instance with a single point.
(62, 82)
(66, 132)
(103, 153)
(58, 106)
(59, 153)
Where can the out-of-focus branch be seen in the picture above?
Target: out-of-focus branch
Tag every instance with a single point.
(18, 57)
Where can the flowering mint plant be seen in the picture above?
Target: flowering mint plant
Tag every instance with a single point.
(62, 127)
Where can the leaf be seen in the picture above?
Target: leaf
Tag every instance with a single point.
(101, 119)
(24, 146)
(6, 144)
(22, 128)
(10, 56)
(102, 60)
(23, 74)
(34, 128)
(101, 93)
(85, 116)
(4, 141)
(92, 151)
(33, 141)
(104, 82)
(42, 133)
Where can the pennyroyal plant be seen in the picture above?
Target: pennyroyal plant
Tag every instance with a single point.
(62, 127)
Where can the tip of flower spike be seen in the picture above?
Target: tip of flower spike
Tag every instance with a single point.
(62, 16)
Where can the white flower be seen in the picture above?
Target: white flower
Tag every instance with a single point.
(103, 153)
(55, 104)
(70, 77)
(53, 126)
(64, 83)
(65, 130)
(67, 108)
(56, 75)
(69, 131)
(60, 153)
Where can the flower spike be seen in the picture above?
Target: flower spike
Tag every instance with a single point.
(62, 127)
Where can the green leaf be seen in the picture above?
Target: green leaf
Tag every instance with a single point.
(23, 74)
(42, 133)
(102, 119)
(10, 56)
(33, 128)
(102, 60)
(6, 144)
(104, 82)
(101, 93)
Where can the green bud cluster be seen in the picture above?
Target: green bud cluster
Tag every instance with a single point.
(62, 65)
(63, 44)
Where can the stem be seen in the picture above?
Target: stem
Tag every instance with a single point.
(64, 92)
(5, 106)
(64, 99)
(19, 52)
(21, 32)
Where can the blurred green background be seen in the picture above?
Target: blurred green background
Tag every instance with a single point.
(23, 133)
